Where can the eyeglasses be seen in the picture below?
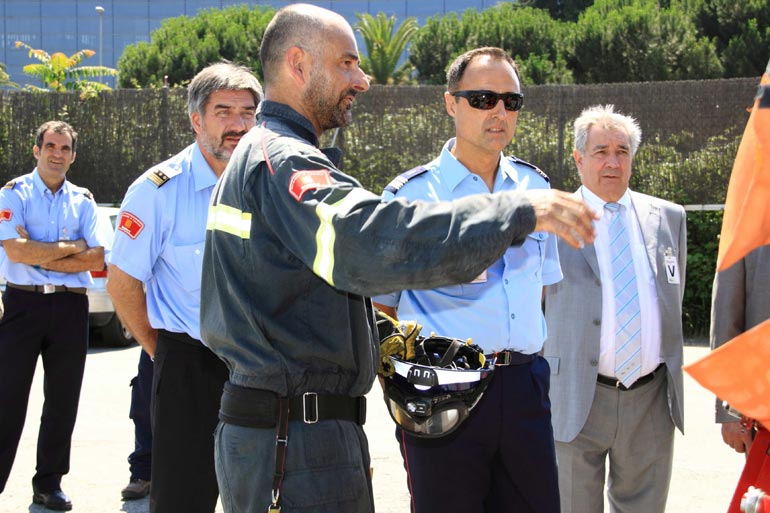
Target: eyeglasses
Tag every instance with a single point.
(486, 100)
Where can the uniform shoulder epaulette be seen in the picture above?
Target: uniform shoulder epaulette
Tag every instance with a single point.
(537, 170)
(160, 175)
(10, 184)
(404, 177)
(88, 194)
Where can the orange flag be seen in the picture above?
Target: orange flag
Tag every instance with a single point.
(739, 371)
(746, 222)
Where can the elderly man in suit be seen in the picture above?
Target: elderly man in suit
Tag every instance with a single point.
(615, 332)
(740, 301)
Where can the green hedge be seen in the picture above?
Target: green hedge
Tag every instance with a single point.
(691, 135)
(703, 229)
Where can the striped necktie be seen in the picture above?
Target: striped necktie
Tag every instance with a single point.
(628, 325)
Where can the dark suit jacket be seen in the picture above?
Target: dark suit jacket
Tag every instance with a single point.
(573, 309)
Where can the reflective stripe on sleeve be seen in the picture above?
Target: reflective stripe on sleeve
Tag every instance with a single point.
(229, 220)
(323, 265)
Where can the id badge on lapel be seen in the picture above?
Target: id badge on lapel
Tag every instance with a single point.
(672, 267)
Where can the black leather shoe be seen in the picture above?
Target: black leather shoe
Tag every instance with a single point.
(56, 500)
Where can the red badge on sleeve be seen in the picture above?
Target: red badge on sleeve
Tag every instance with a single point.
(303, 181)
(130, 224)
(5, 215)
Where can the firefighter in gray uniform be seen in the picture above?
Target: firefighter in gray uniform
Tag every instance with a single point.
(294, 248)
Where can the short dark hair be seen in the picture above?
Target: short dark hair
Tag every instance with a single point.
(457, 69)
(58, 127)
(289, 27)
(217, 77)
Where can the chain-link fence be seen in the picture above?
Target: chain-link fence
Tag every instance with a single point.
(691, 130)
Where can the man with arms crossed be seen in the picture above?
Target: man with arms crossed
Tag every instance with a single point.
(615, 332)
(50, 242)
(159, 246)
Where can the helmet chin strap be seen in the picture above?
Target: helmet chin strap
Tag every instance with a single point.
(450, 354)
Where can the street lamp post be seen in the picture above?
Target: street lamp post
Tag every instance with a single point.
(100, 12)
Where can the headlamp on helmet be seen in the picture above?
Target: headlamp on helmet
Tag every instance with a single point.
(432, 394)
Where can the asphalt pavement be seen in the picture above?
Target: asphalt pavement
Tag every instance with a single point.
(705, 470)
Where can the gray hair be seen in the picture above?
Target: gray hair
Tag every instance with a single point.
(57, 127)
(606, 117)
(217, 77)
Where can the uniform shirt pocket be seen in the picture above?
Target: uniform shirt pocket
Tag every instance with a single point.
(527, 259)
(70, 229)
(470, 290)
(187, 262)
(539, 238)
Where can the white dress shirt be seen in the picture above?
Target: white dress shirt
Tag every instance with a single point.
(645, 280)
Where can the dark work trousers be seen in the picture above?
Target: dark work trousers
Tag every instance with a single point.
(500, 460)
(187, 385)
(56, 327)
(140, 460)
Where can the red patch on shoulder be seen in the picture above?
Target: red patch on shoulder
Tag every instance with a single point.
(303, 181)
(130, 224)
(5, 215)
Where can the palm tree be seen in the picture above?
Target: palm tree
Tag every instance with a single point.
(384, 47)
(61, 73)
(5, 80)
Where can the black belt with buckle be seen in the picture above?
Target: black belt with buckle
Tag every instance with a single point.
(47, 289)
(251, 407)
(505, 358)
(615, 382)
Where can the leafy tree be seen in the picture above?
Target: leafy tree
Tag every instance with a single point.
(747, 53)
(183, 45)
(567, 10)
(5, 80)
(531, 36)
(636, 40)
(740, 30)
(440, 40)
(61, 73)
(384, 47)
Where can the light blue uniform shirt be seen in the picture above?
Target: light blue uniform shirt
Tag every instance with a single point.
(160, 235)
(501, 308)
(67, 214)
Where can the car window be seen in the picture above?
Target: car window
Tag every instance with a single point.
(105, 222)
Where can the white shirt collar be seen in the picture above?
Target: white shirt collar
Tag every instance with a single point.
(597, 204)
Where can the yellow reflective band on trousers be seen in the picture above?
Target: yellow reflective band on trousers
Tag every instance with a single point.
(323, 265)
(230, 220)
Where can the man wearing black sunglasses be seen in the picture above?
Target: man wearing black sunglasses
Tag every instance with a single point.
(502, 457)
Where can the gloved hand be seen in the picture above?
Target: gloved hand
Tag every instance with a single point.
(397, 339)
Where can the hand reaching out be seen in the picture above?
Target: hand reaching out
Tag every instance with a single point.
(564, 215)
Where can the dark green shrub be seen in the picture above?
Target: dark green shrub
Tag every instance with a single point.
(703, 229)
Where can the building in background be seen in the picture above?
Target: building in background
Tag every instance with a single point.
(110, 25)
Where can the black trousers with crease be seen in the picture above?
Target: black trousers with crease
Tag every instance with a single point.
(54, 326)
(187, 389)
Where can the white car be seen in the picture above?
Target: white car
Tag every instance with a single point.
(104, 323)
(103, 319)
